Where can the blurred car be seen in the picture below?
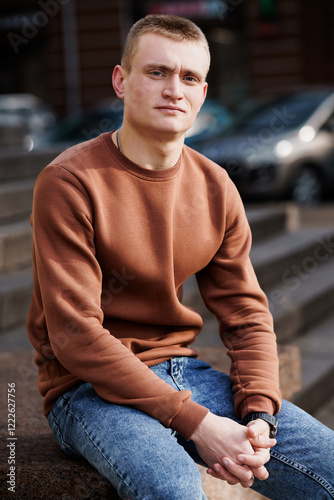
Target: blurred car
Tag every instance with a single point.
(283, 147)
(212, 119)
(33, 114)
(82, 126)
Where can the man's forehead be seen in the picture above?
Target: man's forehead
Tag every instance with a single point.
(153, 49)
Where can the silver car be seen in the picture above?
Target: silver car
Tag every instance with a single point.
(283, 147)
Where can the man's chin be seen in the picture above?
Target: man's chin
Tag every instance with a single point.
(172, 130)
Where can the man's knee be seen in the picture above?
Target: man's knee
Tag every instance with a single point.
(182, 488)
(183, 485)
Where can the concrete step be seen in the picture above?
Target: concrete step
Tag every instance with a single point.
(15, 340)
(298, 301)
(16, 200)
(267, 221)
(15, 297)
(284, 256)
(317, 215)
(298, 304)
(44, 471)
(15, 246)
(317, 354)
(20, 165)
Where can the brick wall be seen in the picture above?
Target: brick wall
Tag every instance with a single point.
(100, 30)
(294, 49)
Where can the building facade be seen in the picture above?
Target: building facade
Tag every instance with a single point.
(64, 50)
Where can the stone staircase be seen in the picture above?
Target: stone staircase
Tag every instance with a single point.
(294, 265)
(17, 177)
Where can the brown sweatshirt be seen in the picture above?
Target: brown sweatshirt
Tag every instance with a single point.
(112, 245)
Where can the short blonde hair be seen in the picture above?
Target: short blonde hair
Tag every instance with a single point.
(177, 28)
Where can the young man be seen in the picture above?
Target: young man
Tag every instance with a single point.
(120, 222)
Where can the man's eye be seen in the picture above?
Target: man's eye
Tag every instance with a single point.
(156, 73)
(190, 79)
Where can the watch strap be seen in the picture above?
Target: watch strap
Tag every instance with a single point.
(270, 419)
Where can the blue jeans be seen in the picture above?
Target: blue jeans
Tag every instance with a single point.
(144, 460)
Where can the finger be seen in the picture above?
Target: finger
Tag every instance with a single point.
(258, 430)
(258, 434)
(248, 484)
(258, 426)
(259, 458)
(260, 473)
(262, 442)
(242, 472)
(220, 472)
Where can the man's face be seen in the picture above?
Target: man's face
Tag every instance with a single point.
(166, 86)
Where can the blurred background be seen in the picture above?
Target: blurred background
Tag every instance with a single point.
(268, 120)
(64, 51)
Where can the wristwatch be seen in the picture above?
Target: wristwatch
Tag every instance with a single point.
(270, 419)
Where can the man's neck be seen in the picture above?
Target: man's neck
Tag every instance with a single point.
(153, 153)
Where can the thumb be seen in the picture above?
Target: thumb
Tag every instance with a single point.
(258, 434)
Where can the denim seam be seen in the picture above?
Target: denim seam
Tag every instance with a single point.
(100, 451)
(64, 442)
(301, 468)
(177, 383)
(177, 379)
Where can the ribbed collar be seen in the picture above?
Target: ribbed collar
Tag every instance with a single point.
(135, 169)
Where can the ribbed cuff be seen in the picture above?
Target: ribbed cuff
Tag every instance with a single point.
(257, 404)
(188, 418)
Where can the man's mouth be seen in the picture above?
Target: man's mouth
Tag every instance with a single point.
(171, 109)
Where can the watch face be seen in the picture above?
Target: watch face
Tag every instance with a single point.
(273, 431)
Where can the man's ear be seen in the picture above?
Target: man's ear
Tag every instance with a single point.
(118, 78)
(205, 92)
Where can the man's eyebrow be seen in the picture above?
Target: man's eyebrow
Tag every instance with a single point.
(170, 69)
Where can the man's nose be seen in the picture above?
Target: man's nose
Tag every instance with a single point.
(173, 88)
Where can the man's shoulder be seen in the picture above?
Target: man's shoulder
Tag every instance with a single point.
(76, 169)
(203, 163)
(82, 156)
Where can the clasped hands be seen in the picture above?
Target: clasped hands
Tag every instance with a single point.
(233, 452)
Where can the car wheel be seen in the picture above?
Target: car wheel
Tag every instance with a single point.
(307, 186)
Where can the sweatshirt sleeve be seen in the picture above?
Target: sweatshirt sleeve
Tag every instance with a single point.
(232, 293)
(70, 284)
